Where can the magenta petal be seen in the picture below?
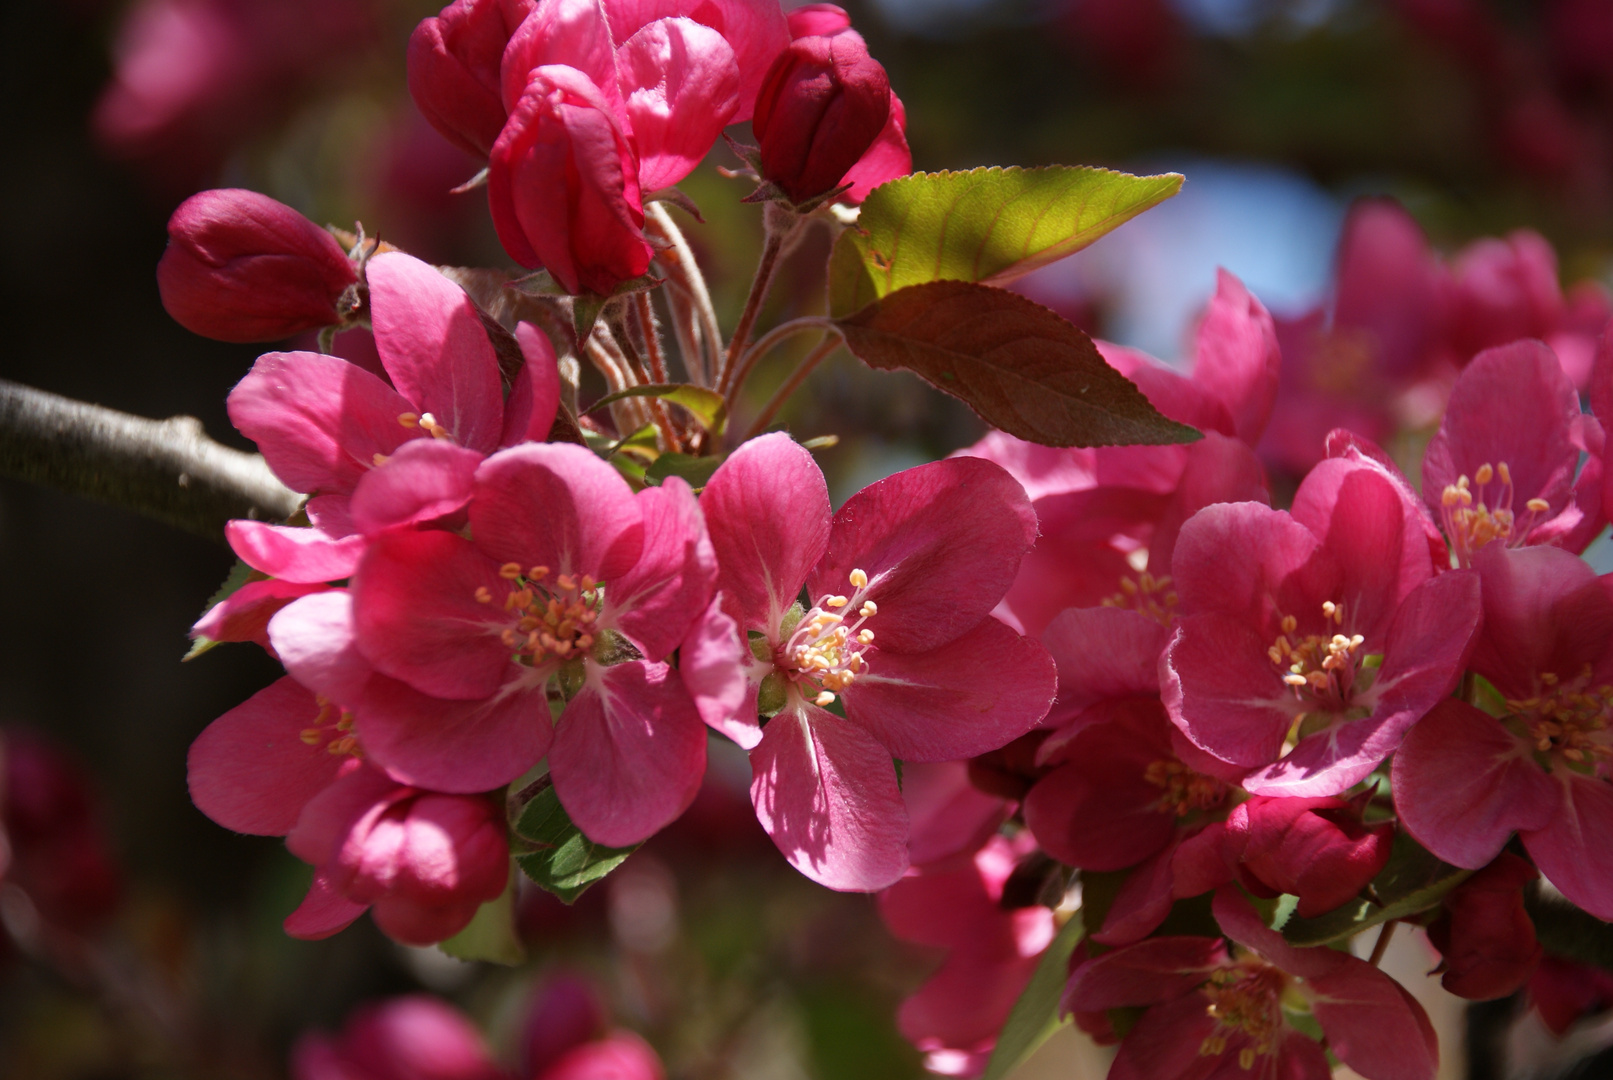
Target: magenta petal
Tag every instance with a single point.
(244, 614)
(656, 601)
(976, 693)
(1373, 1025)
(315, 640)
(250, 771)
(1217, 469)
(1544, 610)
(318, 420)
(426, 479)
(1463, 784)
(295, 554)
(1097, 811)
(1146, 973)
(757, 32)
(767, 507)
(826, 793)
(1224, 693)
(680, 88)
(323, 912)
(1237, 359)
(712, 661)
(888, 158)
(1233, 558)
(433, 345)
(418, 619)
(1166, 1043)
(460, 747)
(534, 400)
(966, 1002)
(1572, 849)
(941, 544)
(1425, 652)
(629, 753)
(1103, 652)
(329, 818)
(1143, 901)
(557, 505)
(570, 32)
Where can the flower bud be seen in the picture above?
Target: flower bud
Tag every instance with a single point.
(404, 1038)
(1484, 934)
(811, 20)
(242, 267)
(1317, 849)
(822, 105)
(563, 185)
(454, 60)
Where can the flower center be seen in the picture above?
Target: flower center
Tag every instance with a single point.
(1475, 513)
(1147, 595)
(1184, 790)
(825, 650)
(1322, 665)
(1245, 1000)
(421, 421)
(554, 620)
(332, 728)
(1568, 718)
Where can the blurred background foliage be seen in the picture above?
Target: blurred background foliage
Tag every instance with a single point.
(1480, 115)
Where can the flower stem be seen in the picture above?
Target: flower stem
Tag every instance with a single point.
(779, 230)
(699, 337)
(828, 345)
(1381, 946)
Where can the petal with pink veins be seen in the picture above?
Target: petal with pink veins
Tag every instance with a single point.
(712, 660)
(1166, 1042)
(680, 87)
(940, 543)
(557, 505)
(975, 693)
(425, 480)
(570, 32)
(460, 747)
(657, 601)
(316, 641)
(534, 401)
(767, 508)
(318, 420)
(292, 553)
(244, 614)
(826, 793)
(418, 617)
(1571, 850)
(250, 770)
(1373, 1025)
(1237, 359)
(1463, 784)
(1545, 610)
(323, 912)
(629, 753)
(1143, 902)
(757, 32)
(431, 340)
(1103, 652)
(1223, 692)
(1147, 973)
(1237, 558)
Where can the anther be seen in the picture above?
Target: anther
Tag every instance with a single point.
(865, 636)
(1484, 474)
(836, 602)
(1506, 473)
(378, 460)
(1290, 624)
(483, 595)
(510, 571)
(311, 736)
(858, 579)
(1538, 505)
(868, 610)
(824, 699)
(409, 419)
(538, 573)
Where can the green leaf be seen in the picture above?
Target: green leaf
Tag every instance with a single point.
(1023, 368)
(695, 470)
(988, 225)
(706, 406)
(1413, 881)
(562, 859)
(1036, 1014)
(491, 934)
(238, 576)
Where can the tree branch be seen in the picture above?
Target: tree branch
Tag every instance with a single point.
(165, 469)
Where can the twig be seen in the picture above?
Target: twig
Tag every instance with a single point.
(824, 349)
(778, 233)
(685, 274)
(1381, 946)
(165, 469)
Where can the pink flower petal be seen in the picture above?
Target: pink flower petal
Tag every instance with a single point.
(250, 770)
(1166, 1042)
(1373, 1025)
(534, 400)
(1463, 784)
(940, 543)
(1147, 973)
(316, 641)
(826, 793)
(244, 614)
(559, 506)
(767, 508)
(1217, 469)
(291, 553)
(323, 912)
(570, 32)
(712, 661)
(757, 32)
(418, 618)
(1234, 558)
(948, 814)
(975, 693)
(1143, 902)
(657, 601)
(966, 1002)
(1103, 652)
(433, 345)
(459, 747)
(1571, 850)
(1237, 359)
(1223, 691)
(318, 420)
(425, 480)
(888, 157)
(1545, 610)
(680, 85)
(629, 753)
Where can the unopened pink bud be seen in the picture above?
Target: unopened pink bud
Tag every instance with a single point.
(1484, 934)
(454, 62)
(821, 107)
(563, 185)
(811, 20)
(242, 267)
(1318, 849)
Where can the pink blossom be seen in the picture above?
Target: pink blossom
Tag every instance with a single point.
(957, 904)
(680, 83)
(1466, 780)
(1564, 992)
(1214, 1011)
(1502, 465)
(924, 673)
(404, 1038)
(454, 60)
(1484, 935)
(755, 30)
(563, 184)
(446, 647)
(565, 1038)
(240, 266)
(1279, 614)
(1318, 849)
(379, 452)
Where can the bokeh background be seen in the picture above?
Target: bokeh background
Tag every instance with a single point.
(1481, 116)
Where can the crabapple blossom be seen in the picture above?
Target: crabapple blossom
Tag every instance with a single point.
(405, 1038)
(923, 671)
(454, 64)
(1484, 935)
